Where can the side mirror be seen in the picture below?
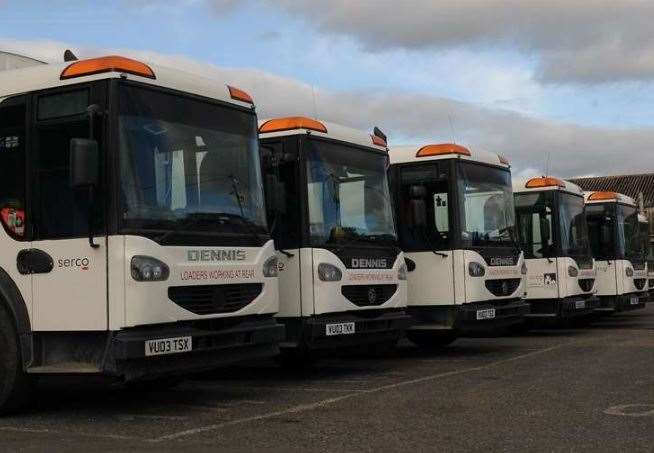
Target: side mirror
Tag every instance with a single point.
(545, 232)
(84, 163)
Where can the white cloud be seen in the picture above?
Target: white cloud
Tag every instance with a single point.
(587, 41)
(406, 116)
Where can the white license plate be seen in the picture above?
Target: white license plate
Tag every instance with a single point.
(342, 328)
(166, 346)
(634, 300)
(486, 314)
(580, 304)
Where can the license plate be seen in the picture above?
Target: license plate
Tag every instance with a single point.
(580, 304)
(343, 328)
(166, 346)
(634, 300)
(486, 314)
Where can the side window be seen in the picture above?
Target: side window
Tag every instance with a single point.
(441, 212)
(61, 212)
(283, 200)
(425, 210)
(12, 163)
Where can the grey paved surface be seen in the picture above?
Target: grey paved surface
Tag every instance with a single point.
(584, 389)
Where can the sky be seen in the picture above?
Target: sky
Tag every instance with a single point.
(564, 87)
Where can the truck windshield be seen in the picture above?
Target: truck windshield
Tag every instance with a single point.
(572, 226)
(348, 195)
(487, 207)
(187, 165)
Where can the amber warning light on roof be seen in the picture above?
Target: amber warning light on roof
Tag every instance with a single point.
(443, 149)
(544, 182)
(597, 196)
(112, 63)
(292, 123)
(239, 95)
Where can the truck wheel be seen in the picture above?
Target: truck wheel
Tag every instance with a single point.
(430, 340)
(15, 384)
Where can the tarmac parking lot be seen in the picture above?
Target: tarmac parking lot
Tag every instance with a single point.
(589, 388)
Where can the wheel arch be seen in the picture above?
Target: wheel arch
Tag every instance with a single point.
(11, 298)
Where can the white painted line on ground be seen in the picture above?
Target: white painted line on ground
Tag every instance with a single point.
(627, 410)
(330, 401)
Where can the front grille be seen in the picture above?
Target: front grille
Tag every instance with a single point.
(503, 287)
(586, 284)
(640, 283)
(651, 282)
(214, 299)
(368, 295)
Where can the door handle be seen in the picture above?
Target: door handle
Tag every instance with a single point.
(34, 261)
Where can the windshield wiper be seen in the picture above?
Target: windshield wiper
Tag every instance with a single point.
(236, 192)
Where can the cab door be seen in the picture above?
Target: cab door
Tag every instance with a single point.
(425, 225)
(284, 211)
(70, 285)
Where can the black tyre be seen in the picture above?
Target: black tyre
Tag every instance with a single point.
(15, 384)
(431, 340)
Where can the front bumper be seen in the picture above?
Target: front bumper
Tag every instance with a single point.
(371, 327)
(560, 309)
(215, 343)
(622, 302)
(465, 318)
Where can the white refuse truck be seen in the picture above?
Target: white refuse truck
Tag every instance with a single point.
(621, 282)
(553, 233)
(134, 241)
(342, 275)
(455, 214)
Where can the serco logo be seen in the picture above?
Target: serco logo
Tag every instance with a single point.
(210, 256)
(502, 261)
(367, 263)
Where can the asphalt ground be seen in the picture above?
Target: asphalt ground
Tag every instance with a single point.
(589, 388)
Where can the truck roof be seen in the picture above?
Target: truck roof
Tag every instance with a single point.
(24, 80)
(545, 183)
(300, 125)
(407, 154)
(608, 197)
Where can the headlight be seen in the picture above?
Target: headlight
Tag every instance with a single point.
(523, 269)
(270, 268)
(630, 272)
(476, 270)
(401, 273)
(573, 271)
(148, 269)
(329, 273)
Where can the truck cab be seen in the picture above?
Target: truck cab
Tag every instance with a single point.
(342, 274)
(134, 240)
(613, 227)
(456, 226)
(550, 214)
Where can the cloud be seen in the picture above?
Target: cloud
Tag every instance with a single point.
(581, 41)
(409, 117)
